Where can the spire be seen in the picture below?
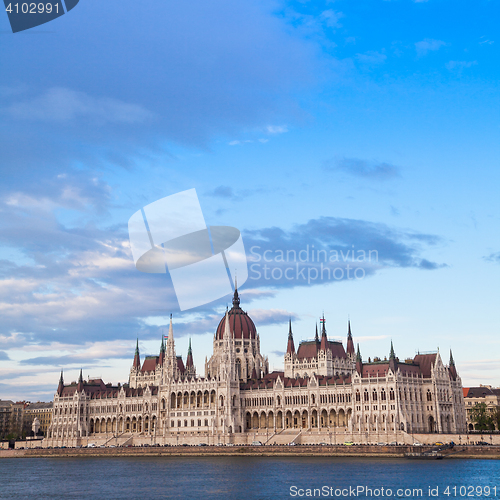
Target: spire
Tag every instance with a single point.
(161, 358)
(324, 340)
(350, 343)
(236, 297)
(452, 368)
(227, 330)
(60, 387)
(79, 387)
(316, 338)
(189, 359)
(359, 362)
(170, 330)
(392, 359)
(137, 358)
(290, 349)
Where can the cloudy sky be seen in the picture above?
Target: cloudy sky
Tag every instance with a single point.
(358, 129)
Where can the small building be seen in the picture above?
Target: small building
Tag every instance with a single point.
(482, 394)
(41, 411)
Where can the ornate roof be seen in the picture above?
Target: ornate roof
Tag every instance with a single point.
(240, 324)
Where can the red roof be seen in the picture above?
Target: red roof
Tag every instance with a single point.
(425, 361)
(375, 370)
(180, 364)
(465, 391)
(149, 364)
(309, 349)
(240, 324)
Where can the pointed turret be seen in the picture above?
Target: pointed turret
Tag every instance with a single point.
(227, 329)
(452, 367)
(359, 362)
(60, 387)
(79, 387)
(189, 359)
(170, 361)
(316, 337)
(137, 358)
(392, 359)
(254, 373)
(290, 348)
(324, 340)
(236, 298)
(350, 343)
(161, 357)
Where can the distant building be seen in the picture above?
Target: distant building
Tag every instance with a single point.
(323, 390)
(41, 411)
(17, 419)
(5, 417)
(486, 394)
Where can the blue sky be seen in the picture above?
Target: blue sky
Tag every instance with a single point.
(333, 124)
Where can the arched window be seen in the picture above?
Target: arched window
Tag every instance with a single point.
(366, 395)
(383, 395)
(358, 396)
(374, 395)
(429, 395)
(391, 394)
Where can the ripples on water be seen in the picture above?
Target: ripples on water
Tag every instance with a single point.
(230, 477)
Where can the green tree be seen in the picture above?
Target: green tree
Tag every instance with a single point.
(479, 415)
(495, 417)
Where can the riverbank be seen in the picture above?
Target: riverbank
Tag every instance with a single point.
(475, 452)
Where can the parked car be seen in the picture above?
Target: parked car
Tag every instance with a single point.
(256, 443)
(348, 443)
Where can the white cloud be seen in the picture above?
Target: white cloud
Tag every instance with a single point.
(428, 45)
(277, 129)
(459, 65)
(371, 57)
(64, 105)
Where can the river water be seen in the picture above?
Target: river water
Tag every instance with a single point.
(246, 478)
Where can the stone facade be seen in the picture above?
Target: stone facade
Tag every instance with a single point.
(324, 391)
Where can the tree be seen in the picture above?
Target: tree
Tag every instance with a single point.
(495, 417)
(479, 415)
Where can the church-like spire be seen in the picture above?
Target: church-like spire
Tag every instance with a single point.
(452, 368)
(60, 387)
(392, 359)
(236, 297)
(290, 349)
(137, 358)
(189, 359)
(350, 343)
(324, 340)
(316, 337)
(359, 362)
(79, 387)
(161, 358)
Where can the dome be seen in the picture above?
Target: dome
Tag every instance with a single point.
(240, 324)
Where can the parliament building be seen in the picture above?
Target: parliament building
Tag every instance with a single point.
(327, 393)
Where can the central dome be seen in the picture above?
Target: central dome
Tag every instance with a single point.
(240, 324)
